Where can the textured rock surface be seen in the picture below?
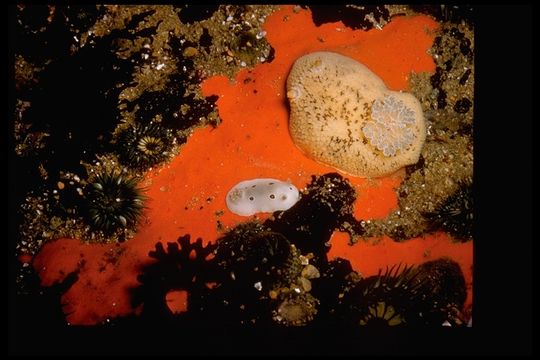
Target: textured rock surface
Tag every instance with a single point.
(343, 115)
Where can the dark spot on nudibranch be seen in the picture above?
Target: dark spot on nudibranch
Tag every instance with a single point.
(251, 198)
(272, 196)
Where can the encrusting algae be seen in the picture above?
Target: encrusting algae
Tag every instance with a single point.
(187, 196)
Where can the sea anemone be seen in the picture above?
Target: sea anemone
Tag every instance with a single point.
(143, 146)
(383, 313)
(385, 299)
(114, 201)
(427, 295)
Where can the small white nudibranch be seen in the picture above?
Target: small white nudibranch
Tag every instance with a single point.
(261, 195)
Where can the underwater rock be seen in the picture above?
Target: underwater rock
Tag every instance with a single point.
(250, 254)
(343, 115)
(326, 205)
(253, 263)
(446, 293)
(337, 276)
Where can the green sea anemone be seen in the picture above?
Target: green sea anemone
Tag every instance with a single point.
(114, 201)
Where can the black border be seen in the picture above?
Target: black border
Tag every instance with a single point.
(502, 314)
(503, 240)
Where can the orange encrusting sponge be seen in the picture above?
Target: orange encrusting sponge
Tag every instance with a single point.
(187, 196)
